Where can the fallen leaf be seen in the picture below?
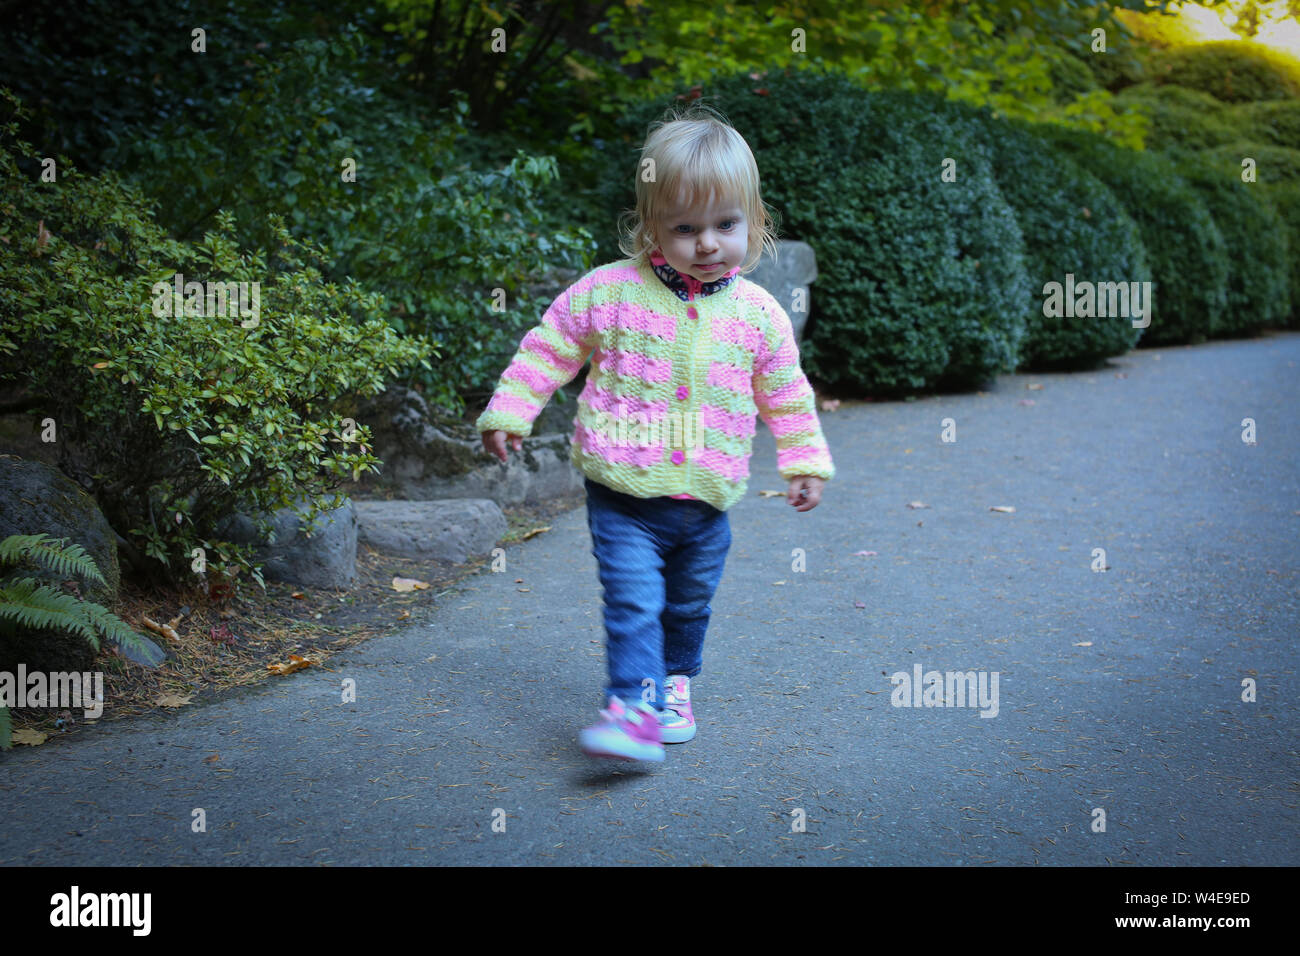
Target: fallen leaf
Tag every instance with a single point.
(298, 596)
(914, 505)
(409, 584)
(166, 630)
(173, 700)
(213, 759)
(771, 494)
(858, 604)
(1034, 386)
(535, 531)
(907, 451)
(296, 663)
(1084, 644)
(404, 615)
(32, 738)
(1006, 509)
(869, 553)
(777, 583)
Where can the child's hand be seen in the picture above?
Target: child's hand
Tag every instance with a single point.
(805, 492)
(494, 443)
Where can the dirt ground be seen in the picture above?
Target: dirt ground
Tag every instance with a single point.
(229, 642)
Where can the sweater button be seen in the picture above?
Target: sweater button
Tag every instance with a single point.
(683, 392)
(678, 457)
(693, 313)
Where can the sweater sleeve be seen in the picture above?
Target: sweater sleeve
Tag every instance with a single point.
(786, 402)
(549, 357)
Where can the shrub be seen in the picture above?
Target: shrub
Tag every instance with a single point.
(1258, 290)
(1072, 224)
(424, 224)
(1186, 252)
(1181, 117)
(27, 604)
(1274, 165)
(921, 283)
(1286, 201)
(1271, 121)
(1232, 71)
(172, 420)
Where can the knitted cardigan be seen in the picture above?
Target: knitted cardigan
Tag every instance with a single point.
(669, 404)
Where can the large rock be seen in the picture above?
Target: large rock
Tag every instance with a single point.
(427, 458)
(446, 530)
(794, 270)
(38, 499)
(324, 557)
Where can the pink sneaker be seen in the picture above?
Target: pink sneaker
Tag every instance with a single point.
(677, 720)
(624, 733)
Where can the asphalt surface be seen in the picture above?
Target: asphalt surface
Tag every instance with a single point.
(1118, 691)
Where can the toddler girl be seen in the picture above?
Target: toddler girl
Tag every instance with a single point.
(684, 352)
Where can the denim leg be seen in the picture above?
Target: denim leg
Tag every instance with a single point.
(694, 570)
(628, 547)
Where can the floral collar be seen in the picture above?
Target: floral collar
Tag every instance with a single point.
(687, 287)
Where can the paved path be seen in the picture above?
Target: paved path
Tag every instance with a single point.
(1118, 690)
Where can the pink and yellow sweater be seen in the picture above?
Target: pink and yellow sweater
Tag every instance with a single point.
(668, 408)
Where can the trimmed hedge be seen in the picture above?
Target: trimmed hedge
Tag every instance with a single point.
(1271, 121)
(1072, 224)
(1185, 249)
(921, 283)
(1257, 248)
(1232, 71)
(1181, 117)
(1286, 201)
(1274, 165)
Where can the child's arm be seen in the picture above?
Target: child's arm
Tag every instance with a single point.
(549, 356)
(786, 403)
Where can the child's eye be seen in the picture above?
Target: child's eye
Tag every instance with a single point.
(729, 223)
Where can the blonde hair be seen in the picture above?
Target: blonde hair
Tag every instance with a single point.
(702, 151)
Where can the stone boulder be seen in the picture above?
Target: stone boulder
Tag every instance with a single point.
(793, 271)
(38, 499)
(426, 457)
(451, 530)
(323, 557)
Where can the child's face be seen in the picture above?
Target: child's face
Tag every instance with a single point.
(694, 238)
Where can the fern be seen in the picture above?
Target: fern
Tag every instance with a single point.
(27, 602)
(66, 559)
(30, 603)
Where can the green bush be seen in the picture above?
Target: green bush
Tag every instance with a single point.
(1232, 71)
(921, 283)
(1258, 291)
(1286, 201)
(1181, 117)
(435, 235)
(1271, 121)
(1274, 165)
(1072, 224)
(174, 420)
(1186, 252)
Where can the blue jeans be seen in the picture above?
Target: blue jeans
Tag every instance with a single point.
(660, 562)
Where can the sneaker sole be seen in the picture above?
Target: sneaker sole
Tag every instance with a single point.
(637, 752)
(671, 736)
